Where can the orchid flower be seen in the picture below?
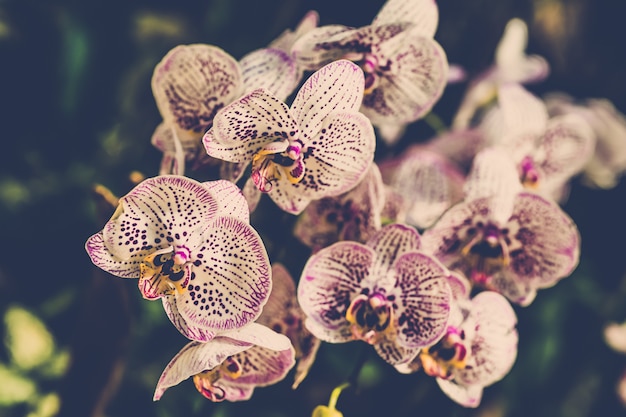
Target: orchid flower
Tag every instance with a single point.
(190, 84)
(320, 147)
(548, 151)
(512, 65)
(429, 183)
(475, 352)
(501, 237)
(608, 162)
(405, 69)
(355, 215)
(230, 366)
(283, 315)
(386, 293)
(191, 245)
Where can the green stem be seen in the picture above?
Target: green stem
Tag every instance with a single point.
(435, 123)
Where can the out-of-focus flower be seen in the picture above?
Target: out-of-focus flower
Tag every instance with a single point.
(230, 366)
(508, 240)
(429, 183)
(283, 315)
(475, 352)
(608, 162)
(405, 69)
(386, 293)
(190, 85)
(320, 147)
(191, 245)
(615, 337)
(355, 215)
(512, 65)
(548, 151)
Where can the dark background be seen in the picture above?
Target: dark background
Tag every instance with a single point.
(77, 109)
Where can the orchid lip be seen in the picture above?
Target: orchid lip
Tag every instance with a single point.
(164, 272)
(205, 381)
(445, 356)
(371, 317)
(269, 164)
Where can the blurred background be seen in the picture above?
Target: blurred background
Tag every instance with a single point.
(77, 110)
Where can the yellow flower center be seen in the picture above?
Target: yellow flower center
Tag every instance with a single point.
(276, 159)
(164, 272)
(205, 381)
(370, 317)
(447, 355)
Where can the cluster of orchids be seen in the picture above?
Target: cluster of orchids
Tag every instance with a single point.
(421, 255)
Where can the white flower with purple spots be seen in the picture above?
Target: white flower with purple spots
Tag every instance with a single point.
(475, 352)
(230, 366)
(320, 147)
(386, 293)
(191, 245)
(406, 70)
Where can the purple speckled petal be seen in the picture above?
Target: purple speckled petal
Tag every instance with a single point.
(194, 358)
(339, 156)
(321, 332)
(193, 82)
(337, 87)
(231, 278)
(230, 200)
(272, 69)
(423, 300)
(391, 242)
(416, 79)
(329, 281)
(323, 45)
(423, 13)
(564, 149)
(160, 212)
(335, 162)
(188, 330)
(545, 246)
(354, 215)
(104, 259)
(263, 366)
(395, 354)
(244, 127)
(467, 396)
(490, 330)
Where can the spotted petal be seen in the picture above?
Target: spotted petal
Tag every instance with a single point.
(193, 82)
(337, 87)
(564, 149)
(104, 259)
(323, 45)
(194, 358)
(231, 278)
(330, 279)
(493, 343)
(244, 127)
(547, 247)
(160, 212)
(415, 81)
(230, 199)
(391, 242)
(424, 301)
(395, 354)
(335, 162)
(423, 13)
(272, 69)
